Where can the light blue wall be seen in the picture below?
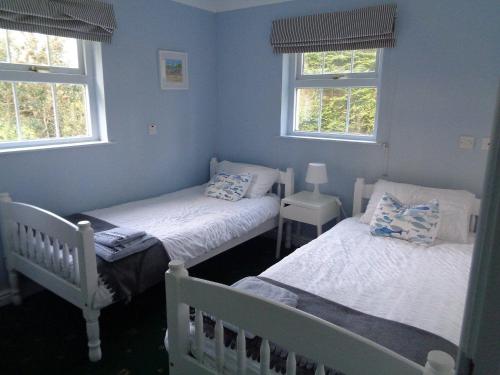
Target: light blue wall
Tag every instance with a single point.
(136, 165)
(438, 83)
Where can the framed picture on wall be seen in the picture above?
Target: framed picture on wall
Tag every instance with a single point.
(173, 70)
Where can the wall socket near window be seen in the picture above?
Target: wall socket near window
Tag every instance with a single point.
(485, 144)
(152, 129)
(466, 142)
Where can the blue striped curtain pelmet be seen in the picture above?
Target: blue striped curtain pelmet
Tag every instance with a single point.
(365, 28)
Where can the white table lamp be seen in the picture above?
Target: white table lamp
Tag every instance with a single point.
(316, 174)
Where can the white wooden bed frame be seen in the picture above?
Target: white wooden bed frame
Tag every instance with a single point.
(29, 233)
(324, 343)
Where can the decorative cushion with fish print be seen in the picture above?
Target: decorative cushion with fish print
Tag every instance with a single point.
(231, 187)
(455, 206)
(415, 223)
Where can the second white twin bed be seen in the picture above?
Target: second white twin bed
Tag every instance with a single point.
(383, 277)
(400, 295)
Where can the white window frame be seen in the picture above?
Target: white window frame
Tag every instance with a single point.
(85, 74)
(293, 79)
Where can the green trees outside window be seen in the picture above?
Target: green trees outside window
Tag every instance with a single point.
(40, 110)
(340, 109)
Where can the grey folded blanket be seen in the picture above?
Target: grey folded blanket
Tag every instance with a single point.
(261, 288)
(112, 254)
(118, 236)
(408, 341)
(133, 274)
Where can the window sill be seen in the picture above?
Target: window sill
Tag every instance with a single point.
(328, 139)
(53, 147)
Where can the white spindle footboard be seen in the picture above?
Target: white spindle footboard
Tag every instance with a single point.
(54, 253)
(322, 342)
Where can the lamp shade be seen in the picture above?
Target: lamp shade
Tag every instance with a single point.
(316, 173)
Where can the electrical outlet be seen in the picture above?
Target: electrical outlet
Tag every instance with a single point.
(485, 144)
(152, 129)
(466, 142)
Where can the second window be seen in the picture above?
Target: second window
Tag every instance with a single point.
(334, 94)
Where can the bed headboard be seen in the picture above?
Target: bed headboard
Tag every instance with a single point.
(363, 191)
(287, 179)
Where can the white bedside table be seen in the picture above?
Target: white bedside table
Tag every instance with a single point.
(304, 207)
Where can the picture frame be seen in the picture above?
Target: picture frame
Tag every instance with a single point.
(173, 70)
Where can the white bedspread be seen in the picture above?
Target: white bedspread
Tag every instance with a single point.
(188, 223)
(388, 278)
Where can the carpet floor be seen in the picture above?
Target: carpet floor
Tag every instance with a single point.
(46, 335)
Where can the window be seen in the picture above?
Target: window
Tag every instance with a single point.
(332, 94)
(47, 91)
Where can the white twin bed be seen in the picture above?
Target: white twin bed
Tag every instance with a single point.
(394, 280)
(192, 227)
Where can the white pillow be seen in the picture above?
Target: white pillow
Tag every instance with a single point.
(455, 206)
(263, 178)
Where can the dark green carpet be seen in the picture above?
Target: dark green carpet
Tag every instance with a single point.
(46, 335)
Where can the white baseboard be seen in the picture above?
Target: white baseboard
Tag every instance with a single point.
(5, 297)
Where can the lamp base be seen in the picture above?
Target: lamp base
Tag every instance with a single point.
(316, 192)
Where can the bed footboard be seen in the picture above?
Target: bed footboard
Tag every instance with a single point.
(54, 253)
(328, 345)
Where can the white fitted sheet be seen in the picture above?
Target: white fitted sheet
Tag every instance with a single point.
(388, 278)
(189, 223)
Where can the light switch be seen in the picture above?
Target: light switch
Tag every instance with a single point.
(152, 129)
(466, 142)
(485, 144)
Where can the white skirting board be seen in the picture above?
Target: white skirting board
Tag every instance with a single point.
(5, 297)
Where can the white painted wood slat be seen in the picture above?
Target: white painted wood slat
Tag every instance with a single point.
(31, 243)
(320, 370)
(199, 335)
(265, 357)
(55, 256)
(291, 364)
(39, 247)
(76, 266)
(46, 252)
(241, 349)
(65, 262)
(219, 346)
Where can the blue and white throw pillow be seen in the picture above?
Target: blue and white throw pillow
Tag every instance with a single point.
(231, 187)
(416, 223)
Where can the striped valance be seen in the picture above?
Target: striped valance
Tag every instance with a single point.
(82, 19)
(364, 28)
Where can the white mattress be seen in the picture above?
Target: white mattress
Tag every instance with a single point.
(385, 277)
(190, 224)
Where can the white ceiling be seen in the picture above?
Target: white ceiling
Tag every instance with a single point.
(226, 5)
